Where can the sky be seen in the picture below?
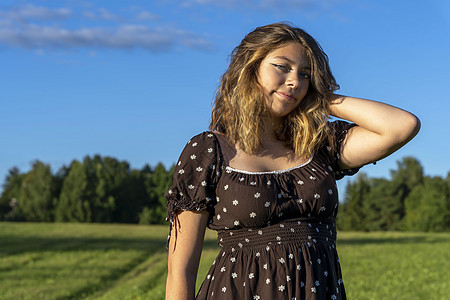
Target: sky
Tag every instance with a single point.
(135, 80)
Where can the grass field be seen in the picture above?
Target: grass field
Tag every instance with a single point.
(99, 261)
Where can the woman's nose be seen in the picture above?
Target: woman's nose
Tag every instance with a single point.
(293, 81)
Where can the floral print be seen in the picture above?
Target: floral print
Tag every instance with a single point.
(276, 229)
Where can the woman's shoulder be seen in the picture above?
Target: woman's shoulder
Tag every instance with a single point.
(201, 148)
(337, 129)
(331, 148)
(207, 136)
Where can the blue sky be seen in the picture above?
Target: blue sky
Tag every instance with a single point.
(136, 79)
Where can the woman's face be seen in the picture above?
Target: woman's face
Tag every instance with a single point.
(284, 74)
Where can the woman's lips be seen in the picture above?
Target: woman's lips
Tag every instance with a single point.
(286, 96)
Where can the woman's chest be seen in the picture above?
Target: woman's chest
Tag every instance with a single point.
(250, 199)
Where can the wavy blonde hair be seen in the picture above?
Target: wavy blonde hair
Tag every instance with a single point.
(239, 104)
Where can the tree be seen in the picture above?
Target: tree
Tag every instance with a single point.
(428, 206)
(408, 175)
(157, 184)
(11, 194)
(131, 198)
(409, 201)
(103, 177)
(37, 195)
(73, 205)
(351, 214)
(382, 206)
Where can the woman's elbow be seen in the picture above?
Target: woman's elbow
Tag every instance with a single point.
(411, 127)
(402, 129)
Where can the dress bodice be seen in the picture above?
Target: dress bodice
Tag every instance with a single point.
(257, 199)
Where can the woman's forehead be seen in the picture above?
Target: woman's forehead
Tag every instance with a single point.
(293, 53)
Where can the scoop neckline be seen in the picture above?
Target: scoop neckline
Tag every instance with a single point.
(227, 167)
(269, 172)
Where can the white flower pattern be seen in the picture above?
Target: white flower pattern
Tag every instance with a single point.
(308, 201)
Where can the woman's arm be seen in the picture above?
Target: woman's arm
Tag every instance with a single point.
(382, 129)
(185, 248)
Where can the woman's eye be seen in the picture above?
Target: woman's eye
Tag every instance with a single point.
(281, 67)
(305, 75)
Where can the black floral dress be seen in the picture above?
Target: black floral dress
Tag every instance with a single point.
(276, 229)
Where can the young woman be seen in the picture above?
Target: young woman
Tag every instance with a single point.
(264, 176)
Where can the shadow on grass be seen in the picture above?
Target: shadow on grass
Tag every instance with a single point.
(392, 240)
(37, 248)
(17, 245)
(106, 280)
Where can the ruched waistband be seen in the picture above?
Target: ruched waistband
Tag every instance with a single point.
(283, 233)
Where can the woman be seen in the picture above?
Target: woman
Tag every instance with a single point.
(264, 176)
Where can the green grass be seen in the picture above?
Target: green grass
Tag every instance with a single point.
(395, 265)
(99, 261)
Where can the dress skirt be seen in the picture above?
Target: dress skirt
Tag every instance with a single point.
(295, 259)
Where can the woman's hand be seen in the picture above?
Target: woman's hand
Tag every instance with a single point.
(382, 129)
(185, 248)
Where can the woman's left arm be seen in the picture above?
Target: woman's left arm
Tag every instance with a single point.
(382, 129)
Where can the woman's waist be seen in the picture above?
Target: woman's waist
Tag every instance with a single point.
(286, 232)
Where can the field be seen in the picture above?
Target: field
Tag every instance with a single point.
(100, 261)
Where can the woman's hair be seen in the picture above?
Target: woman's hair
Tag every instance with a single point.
(239, 104)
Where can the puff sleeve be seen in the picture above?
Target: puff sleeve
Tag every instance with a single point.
(339, 130)
(195, 177)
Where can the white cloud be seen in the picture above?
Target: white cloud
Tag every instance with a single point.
(31, 12)
(100, 29)
(121, 37)
(107, 15)
(147, 16)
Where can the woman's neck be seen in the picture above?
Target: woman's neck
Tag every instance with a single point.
(271, 126)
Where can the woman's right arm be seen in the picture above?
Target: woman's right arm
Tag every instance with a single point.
(185, 248)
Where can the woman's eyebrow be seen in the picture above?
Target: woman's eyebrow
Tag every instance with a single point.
(285, 58)
(291, 61)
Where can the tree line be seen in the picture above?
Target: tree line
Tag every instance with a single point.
(97, 189)
(103, 189)
(408, 201)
